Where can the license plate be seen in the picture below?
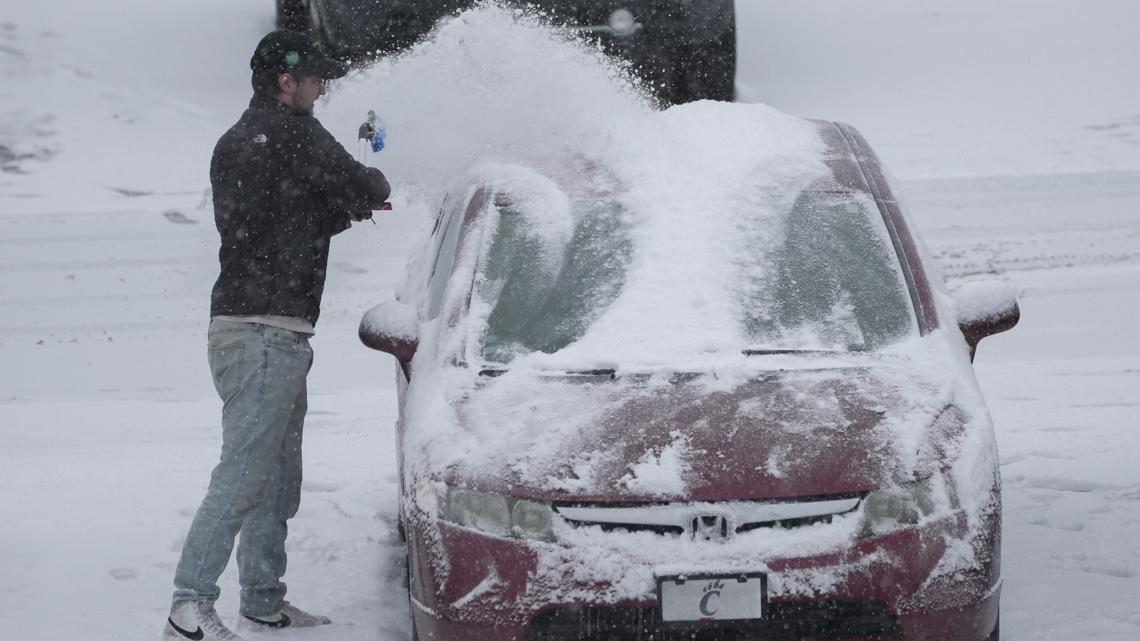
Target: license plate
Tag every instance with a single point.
(727, 597)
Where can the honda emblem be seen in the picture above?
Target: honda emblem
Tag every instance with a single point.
(709, 527)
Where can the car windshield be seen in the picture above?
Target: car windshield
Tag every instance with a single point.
(822, 277)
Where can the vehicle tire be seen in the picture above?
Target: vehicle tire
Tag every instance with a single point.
(293, 15)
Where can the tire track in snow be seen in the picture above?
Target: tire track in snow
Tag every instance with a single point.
(1016, 224)
(975, 251)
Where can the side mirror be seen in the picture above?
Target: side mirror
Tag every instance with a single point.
(985, 308)
(392, 327)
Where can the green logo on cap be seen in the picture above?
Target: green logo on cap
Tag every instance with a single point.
(292, 58)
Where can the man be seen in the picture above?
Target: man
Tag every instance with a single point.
(283, 186)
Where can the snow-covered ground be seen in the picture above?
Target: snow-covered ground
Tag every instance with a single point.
(1014, 126)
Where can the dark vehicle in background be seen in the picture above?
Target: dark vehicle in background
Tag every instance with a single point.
(685, 49)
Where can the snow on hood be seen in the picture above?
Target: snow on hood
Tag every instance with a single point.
(775, 427)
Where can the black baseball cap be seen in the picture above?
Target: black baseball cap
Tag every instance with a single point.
(283, 51)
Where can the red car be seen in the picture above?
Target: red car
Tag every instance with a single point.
(751, 418)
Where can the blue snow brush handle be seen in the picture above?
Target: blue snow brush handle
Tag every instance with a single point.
(378, 137)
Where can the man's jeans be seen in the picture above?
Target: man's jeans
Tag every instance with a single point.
(259, 371)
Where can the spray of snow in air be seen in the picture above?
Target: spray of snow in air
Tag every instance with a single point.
(493, 83)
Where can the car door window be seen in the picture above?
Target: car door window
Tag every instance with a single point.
(445, 258)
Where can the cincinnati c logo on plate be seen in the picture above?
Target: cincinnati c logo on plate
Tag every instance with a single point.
(712, 593)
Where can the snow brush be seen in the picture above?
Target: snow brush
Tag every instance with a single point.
(371, 133)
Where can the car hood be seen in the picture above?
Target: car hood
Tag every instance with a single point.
(699, 437)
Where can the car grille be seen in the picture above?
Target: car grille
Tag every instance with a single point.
(714, 520)
(787, 621)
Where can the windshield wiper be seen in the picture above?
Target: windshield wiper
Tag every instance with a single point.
(592, 372)
(773, 352)
(604, 372)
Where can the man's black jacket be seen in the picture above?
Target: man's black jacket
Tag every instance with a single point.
(282, 187)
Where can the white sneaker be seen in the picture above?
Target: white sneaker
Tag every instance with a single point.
(196, 621)
(289, 616)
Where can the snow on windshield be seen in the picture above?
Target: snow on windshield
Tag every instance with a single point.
(821, 277)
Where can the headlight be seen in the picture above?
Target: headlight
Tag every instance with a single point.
(498, 515)
(893, 508)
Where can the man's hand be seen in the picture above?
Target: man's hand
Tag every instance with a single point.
(360, 216)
